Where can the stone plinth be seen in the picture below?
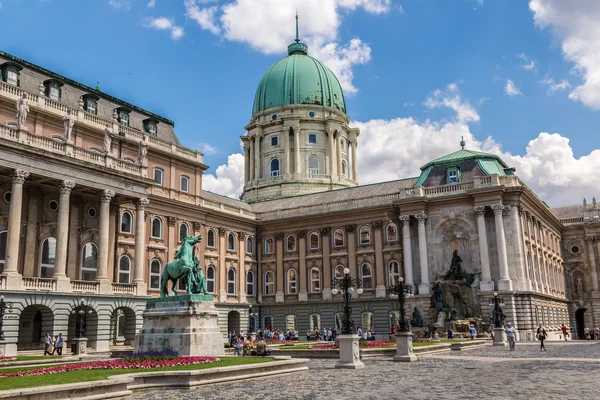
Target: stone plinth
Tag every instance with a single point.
(349, 352)
(6, 350)
(404, 347)
(79, 346)
(186, 324)
(500, 337)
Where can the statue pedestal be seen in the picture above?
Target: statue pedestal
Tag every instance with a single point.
(349, 352)
(500, 337)
(7, 349)
(78, 346)
(186, 324)
(404, 347)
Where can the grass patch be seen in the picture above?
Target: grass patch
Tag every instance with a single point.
(21, 382)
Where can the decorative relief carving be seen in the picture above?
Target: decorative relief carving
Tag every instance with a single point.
(325, 231)
(350, 228)
(197, 225)
(242, 235)
(279, 236)
(377, 225)
(172, 221)
(222, 232)
(301, 234)
(146, 213)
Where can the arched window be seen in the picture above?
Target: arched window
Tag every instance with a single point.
(268, 322)
(290, 243)
(155, 270)
(343, 168)
(249, 246)
(391, 232)
(366, 276)
(315, 322)
(125, 269)
(291, 281)
(393, 272)
(313, 241)
(126, 222)
(157, 228)
(338, 271)
(274, 167)
(269, 246)
(338, 238)
(184, 184)
(290, 323)
(269, 283)
(250, 283)
(210, 279)
(3, 239)
(313, 165)
(129, 160)
(210, 239)
(184, 231)
(89, 262)
(159, 176)
(48, 256)
(231, 241)
(231, 281)
(315, 280)
(365, 235)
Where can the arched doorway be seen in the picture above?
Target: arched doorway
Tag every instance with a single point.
(34, 322)
(122, 327)
(233, 321)
(90, 328)
(580, 322)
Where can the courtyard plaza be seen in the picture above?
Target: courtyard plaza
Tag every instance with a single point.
(566, 371)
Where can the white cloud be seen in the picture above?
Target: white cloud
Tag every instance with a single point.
(575, 24)
(229, 179)
(529, 64)
(207, 149)
(205, 17)
(511, 89)
(120, 4)
(162, 23)
(554, 86)
(151, 4)
(451, 98)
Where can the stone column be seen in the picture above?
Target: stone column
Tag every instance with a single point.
(302, 274)
(407, 251)
(524, 275)
(257, 156)
(505, 284)
(424, 285)
(286, 150)
(246, 162)
(222, 265)
(296, 130)
(354, 161)
(279, 291)
(591, 253)
(338, 154)
(11, 266)
(140, 246)
(520, 269)
(596, 293)
(486, 284)
(102, 276)
(242, 264)
(380, 267)
(62, 236)
(351, 233)
(251, 176)
(31, 238)
(326, 240)
(331, 151)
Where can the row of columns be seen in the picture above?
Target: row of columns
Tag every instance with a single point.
(62, 236)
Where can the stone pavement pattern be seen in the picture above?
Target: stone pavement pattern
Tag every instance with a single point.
(566, 371)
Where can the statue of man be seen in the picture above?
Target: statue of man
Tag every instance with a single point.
(22, 111)
(594, 204)
(579, 285)
(584, 203)
(68, 121)
(143, 152)
(107, 145)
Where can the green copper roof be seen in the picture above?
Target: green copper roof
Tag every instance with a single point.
(298, 79)
(464, 155)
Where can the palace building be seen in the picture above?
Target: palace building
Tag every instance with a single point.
(98, 193)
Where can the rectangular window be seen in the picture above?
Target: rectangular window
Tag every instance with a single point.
(453, 176)
(312, 138)
(54, 93)
(155, 275)
(12, 77)
(274, 140)
(90, 106)
(124, 118)
(185, 184)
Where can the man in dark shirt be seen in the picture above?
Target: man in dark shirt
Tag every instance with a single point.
(261, 348)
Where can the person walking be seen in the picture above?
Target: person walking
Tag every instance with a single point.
(510, 334)
(565, 333)
(586, 332)
(597, 333)
(542, 335)
(472, 332)
(58, 345)
(47, 344)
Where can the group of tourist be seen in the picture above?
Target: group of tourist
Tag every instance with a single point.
(591, 334)
(53, 344)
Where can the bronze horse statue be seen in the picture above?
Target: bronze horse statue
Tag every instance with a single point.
(186, 266)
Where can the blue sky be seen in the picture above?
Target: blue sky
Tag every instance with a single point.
(417, 74)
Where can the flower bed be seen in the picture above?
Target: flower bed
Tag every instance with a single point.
(277, 341)
(113, 364)
(7, 358)
(328, 346)
(152, 355)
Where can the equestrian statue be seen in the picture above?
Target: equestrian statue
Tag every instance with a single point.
(186, 266)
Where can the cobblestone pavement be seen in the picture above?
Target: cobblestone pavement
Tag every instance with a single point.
(565, 371)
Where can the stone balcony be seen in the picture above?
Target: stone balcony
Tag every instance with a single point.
(50, 285)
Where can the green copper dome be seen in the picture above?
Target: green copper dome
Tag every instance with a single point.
(298, 79)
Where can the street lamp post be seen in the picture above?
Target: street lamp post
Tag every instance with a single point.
(404, 347)
(80, 341)
(348, 340)
(251, 323)
(497, 320)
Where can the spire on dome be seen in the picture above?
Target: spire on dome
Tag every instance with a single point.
(297, 47)
(462, 142)
(297, 36)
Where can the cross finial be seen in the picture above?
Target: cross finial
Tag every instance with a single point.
(297, 38)
(462, 142)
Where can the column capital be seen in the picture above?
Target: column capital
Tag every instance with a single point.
(106, 196)
(479, 210)
(301, 234)
(19, 176)
(377, 225)
(421, 217)
(197, 225)
(65, 187)
(222, 232)
(278, 236)
(171, 221)
(405, 219)
(242, 235)
(325, 231)
(141, 203)
(350, 228)
(497, 208)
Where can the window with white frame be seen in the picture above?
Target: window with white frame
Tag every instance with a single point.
(156, 228)
(343, 168)
(274, 140)
(393, 272)
(231, 241)
(313, 165)
(210, 239)
(184, 184)
(249, 246)
(125, 269)
(250, 283)
(290, 243)
(123, 116)
(47, 257)
(269, 283)
(315, 322)
(89, 262)
(126, 222)
(269, 246)
(338, 238)
(159, 176)
(10, 73)
(338, 271)
(53, 90)
(391, 232)
(184, 231)
(210, 279)
(275, 167)
(291, 281)
(3, 239)
(365, 235)
(315, 280)
(91, 104)
(231, 282)
(150, 127)
(155, 270)
(312, 138)
(366, 276)
(313, 241)
(453, 176)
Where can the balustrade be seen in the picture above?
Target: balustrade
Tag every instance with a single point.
(124, 288)
(85, 286)
(42, 284)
